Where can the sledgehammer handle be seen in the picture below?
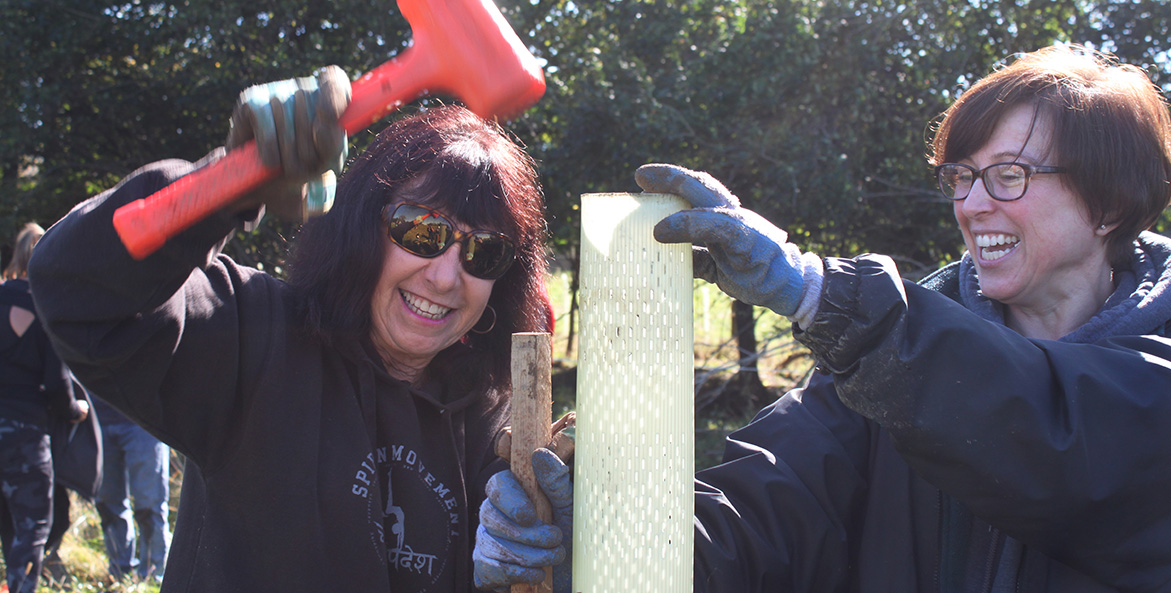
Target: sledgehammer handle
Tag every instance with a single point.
(532, 414)
(144, 225)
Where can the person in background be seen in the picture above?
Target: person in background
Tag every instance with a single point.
(1001, 426)
(137, 467)
(35, 386)
(338, 427)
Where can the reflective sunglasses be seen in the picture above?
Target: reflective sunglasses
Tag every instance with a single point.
(426, 233)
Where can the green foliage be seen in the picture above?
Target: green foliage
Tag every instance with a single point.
(814, 113)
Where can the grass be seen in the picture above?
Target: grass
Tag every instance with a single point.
(80, 562)
(782, 363)
(81, 565)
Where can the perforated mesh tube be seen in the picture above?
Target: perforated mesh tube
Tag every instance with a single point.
(635, 443)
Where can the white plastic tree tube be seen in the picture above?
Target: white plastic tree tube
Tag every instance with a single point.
(635, 442)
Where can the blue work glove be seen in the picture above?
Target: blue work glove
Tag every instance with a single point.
(295, 125)
(746, 256)
(512, 544)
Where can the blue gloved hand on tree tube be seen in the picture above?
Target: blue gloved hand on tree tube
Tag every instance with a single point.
(512, 544)
(737, 249)
(295, 125)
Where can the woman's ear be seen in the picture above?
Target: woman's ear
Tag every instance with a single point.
(1105, 229)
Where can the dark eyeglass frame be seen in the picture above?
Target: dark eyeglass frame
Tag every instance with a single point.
(415, 214)
(1028, 169)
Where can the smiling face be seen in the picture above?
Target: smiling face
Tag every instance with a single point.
(423, 305)
(1040, 255)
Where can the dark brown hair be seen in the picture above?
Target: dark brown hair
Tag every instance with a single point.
(1111, 131)
(475, 174)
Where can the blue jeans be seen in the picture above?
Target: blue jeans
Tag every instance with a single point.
(136, 466)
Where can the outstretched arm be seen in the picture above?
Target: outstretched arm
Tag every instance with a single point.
(1060, 445)
(140, 332)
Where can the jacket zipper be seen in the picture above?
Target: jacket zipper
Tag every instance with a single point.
(935, 586)
(993, 559)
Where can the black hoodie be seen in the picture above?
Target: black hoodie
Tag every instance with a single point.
(292, 444)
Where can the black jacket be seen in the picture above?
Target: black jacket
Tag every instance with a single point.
(292, 445)
(35, 386)
(941, 451)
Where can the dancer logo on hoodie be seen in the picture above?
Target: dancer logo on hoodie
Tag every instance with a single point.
(420, 515)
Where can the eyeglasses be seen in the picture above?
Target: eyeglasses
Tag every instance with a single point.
(426, 233)
(1003, 181)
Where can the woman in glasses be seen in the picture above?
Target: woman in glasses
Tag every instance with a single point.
(339, 426)
(1006, 425)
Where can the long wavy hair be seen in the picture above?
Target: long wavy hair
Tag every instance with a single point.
(474, 173)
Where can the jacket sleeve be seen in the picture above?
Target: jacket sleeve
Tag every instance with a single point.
(159, 338)
(778, 513)
(56, 380)
(1063, 446)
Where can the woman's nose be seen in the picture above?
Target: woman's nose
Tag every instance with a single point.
(978, 200)
(444, 270)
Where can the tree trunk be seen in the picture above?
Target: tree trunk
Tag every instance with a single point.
(749, 391)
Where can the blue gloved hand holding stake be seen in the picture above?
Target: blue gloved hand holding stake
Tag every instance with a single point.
(512, 544)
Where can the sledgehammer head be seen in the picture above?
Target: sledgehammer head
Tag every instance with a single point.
(463, 48)
(478, 57)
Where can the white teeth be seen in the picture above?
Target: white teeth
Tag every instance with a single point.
(1007, 242)
(993, 255)
(991, 240)
(424, 307)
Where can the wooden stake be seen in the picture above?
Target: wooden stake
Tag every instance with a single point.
(532, 418)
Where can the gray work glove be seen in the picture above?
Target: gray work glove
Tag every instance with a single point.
(746, 256)
(295, 125)
(512, 544)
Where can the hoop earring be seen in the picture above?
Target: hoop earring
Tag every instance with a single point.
(490, 326)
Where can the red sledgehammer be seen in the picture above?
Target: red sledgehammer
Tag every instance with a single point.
(460, 47)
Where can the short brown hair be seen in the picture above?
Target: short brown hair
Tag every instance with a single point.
(1111, 131)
